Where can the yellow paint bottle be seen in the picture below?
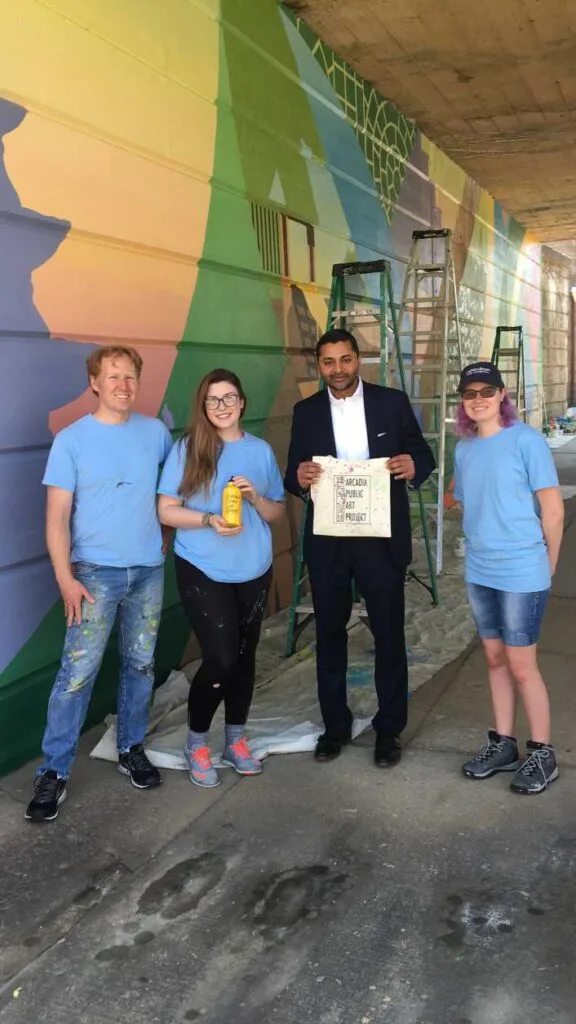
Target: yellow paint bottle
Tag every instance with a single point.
(232, 505)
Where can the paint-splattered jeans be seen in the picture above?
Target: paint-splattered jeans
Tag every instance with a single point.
(133, 595)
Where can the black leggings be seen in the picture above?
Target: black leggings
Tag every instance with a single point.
(226, 618)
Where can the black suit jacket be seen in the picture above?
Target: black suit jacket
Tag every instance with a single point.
(392, 430)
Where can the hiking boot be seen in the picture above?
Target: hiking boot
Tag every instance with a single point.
(537, 772)
(143, 774)
(202, 772)
(499, 754)
(49, 793)
(239, 756)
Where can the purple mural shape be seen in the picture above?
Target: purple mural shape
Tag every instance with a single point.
(38, 374)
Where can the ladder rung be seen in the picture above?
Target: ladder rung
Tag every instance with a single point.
(419, 298)
(425, 306)
(421, 334)
(430, 268)
(354, 314)
(439, 395)
(507, 352)
(308, 609)
(420, 233)
(426, 401)
(410, 305)
(433, 349)
(357, 269)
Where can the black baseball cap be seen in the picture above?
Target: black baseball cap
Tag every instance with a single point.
(480, 373)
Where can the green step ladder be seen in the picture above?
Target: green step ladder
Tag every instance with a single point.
(351, 306)
(509, 358)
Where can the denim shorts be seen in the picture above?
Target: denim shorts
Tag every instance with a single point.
(513, 618)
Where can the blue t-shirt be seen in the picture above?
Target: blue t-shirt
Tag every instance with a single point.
(247, 555)
(496, 478)
(112, 470)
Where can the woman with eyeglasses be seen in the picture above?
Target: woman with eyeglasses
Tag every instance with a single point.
(223, 572)
(506, 480)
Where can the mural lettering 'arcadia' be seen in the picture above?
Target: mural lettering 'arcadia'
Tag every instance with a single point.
(189, 196)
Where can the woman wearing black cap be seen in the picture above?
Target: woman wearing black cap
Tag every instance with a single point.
(513, 518)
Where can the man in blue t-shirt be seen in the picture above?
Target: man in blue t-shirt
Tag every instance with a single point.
(107, 551)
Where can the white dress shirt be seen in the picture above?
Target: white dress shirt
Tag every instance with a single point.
(349, 424)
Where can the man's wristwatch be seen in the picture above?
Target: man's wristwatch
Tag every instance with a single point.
(206, 519)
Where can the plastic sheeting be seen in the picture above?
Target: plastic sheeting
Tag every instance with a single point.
(284, 718)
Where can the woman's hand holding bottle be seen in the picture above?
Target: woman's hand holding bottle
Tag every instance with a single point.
(220, 526)
(249, 492)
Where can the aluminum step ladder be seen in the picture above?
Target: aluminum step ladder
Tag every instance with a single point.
(431, 353)
(353, 305)
(509, 358)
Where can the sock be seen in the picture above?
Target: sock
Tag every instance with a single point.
(233, 733)
(195, 740)
(503, 736)
(533, 745)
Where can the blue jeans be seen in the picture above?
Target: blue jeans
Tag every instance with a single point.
(501, 615)
(133, 595)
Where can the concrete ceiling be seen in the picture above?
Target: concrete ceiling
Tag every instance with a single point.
(493, 83)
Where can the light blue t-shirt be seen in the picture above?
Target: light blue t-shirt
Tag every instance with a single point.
(496, 478)
(112, 470)
(247, 555)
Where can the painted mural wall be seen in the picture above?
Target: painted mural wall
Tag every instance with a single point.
(557, 304)
(181, 177)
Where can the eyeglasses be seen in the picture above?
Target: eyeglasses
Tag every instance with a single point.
(229, 400)
(488, 392)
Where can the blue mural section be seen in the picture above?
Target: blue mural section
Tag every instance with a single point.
(39, 374)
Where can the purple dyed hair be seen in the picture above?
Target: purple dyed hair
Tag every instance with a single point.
(466, 427)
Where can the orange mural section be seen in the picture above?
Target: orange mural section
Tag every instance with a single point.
(127, 165)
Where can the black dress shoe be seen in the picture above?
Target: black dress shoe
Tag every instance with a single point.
(329, 747)
(388, 750)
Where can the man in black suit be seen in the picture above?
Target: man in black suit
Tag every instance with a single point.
(351, 419)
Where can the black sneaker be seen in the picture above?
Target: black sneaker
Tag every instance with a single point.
(49, 793)
(537, 772)
(142, 773)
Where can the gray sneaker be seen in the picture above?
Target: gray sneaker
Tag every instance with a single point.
(537, 772)
(239, 756)
(499, 754)
(202, 772)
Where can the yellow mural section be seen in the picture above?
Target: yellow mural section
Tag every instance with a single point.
(118, 141)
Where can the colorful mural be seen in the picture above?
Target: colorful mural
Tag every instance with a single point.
(183, 181)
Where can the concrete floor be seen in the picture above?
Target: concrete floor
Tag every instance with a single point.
(337, 894)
